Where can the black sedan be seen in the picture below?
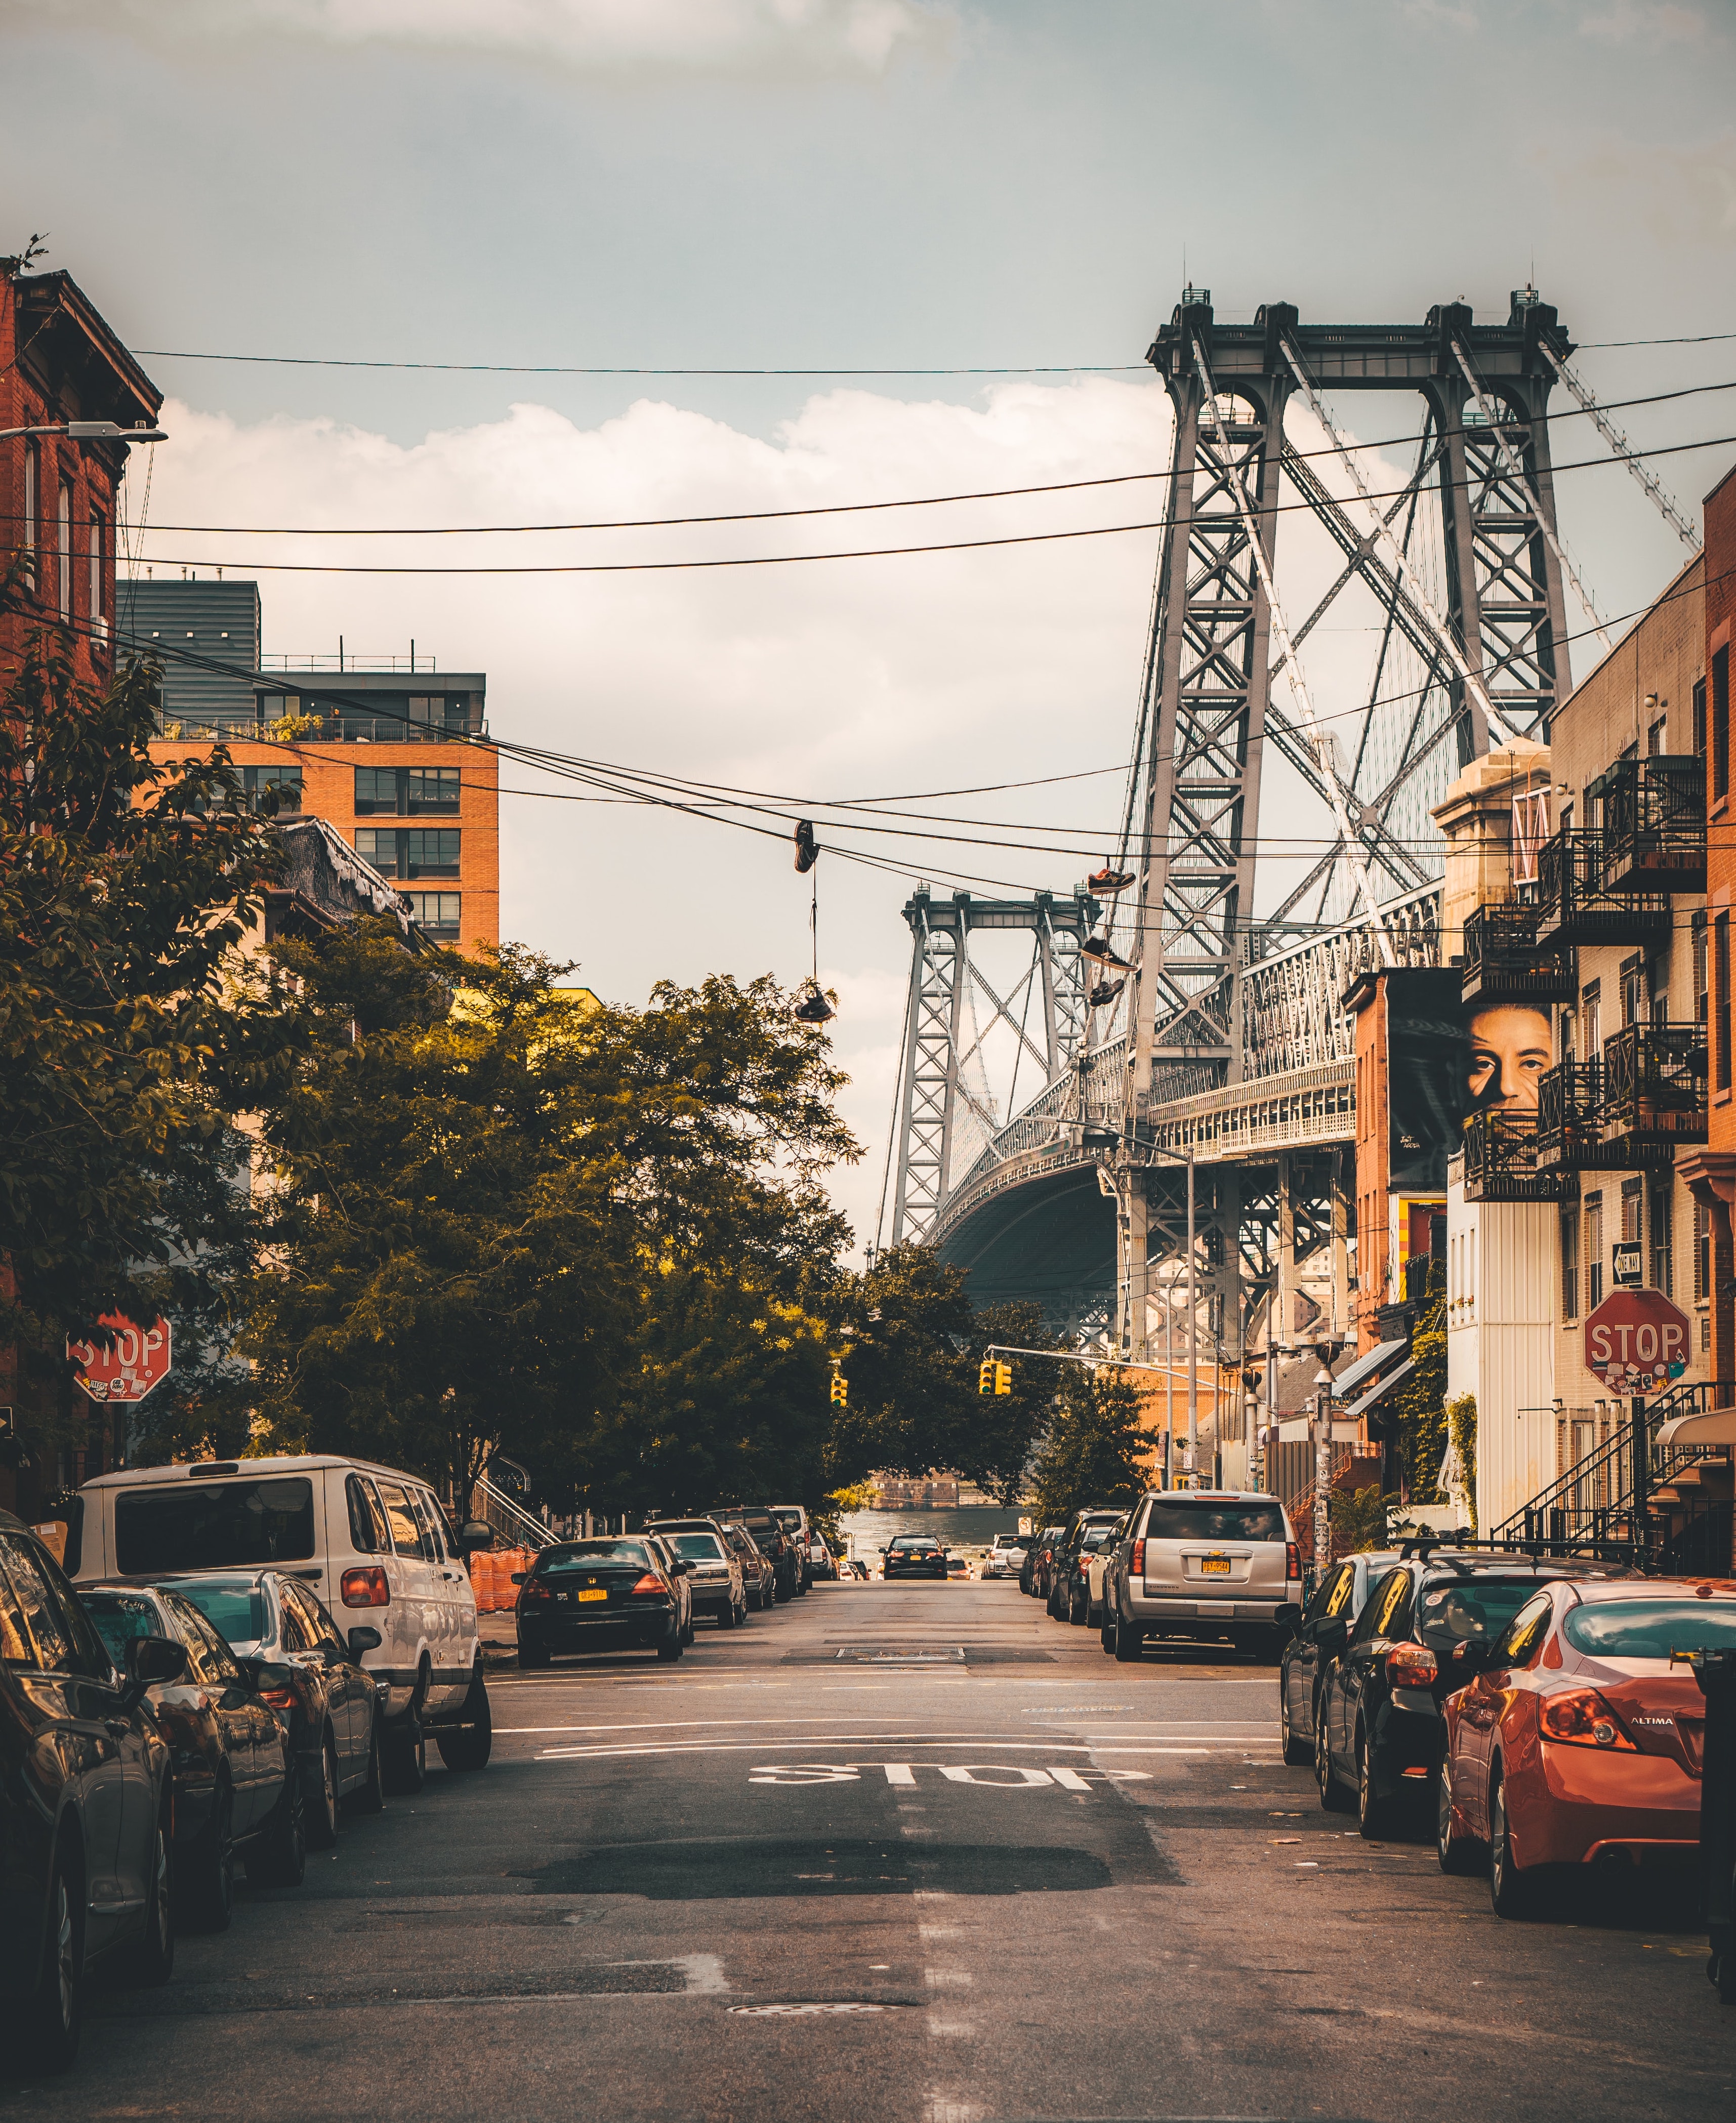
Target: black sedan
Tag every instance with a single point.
(231, 1755)
(914, 1555)
(86, 1795)
(594, 1595)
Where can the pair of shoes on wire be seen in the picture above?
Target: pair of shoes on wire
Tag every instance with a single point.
(1103, 953)
(813, 1008)
(1109, 880)
(1105, 993)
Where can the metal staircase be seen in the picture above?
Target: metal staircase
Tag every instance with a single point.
(514, 1527)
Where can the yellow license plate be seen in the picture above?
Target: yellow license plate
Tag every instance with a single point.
(1215, 1566)
(604, 1595)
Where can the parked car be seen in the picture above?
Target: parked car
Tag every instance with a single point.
(775, 1543)
(1070, 1598)
(602, 1595)
(370, 1541)
(757, 1578)
(86, 1799)
(958, 1566)
(912, 1555)
(1379, 1738)
(1033, 1573)
(1006, 1556)
(1340, 1597)
(319, 1687)
(1579, 1736)
(715, 1582)
(1203, 1564)
(795, 1521)
(823, 1561)
(232, 1765)
(680, 1574)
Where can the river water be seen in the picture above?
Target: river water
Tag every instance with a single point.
(972, 1526)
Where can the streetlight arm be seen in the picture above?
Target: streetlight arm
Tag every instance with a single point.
(89, 431)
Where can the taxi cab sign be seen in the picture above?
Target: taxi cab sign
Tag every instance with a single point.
(1636, 1340)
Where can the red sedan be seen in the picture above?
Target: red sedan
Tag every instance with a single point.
(1577, 1740)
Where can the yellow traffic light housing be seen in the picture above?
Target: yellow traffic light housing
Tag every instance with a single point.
(840, 1390)
(1003, 1378)
(986, 1375)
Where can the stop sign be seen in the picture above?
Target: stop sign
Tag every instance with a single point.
(137, 1359)
(1636, 1340)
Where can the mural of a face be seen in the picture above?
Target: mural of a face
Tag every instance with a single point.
(1509, 1051)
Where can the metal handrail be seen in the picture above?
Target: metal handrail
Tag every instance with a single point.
(1599, 1488)
(515, 1524)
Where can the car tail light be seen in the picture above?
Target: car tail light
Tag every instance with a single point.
(1292, 1560)
(533, 1592)
(367, 1587)
(1581, 1718)
(1139, 1558)
(1412, 1666)
(280, 1699)
(650, 1583)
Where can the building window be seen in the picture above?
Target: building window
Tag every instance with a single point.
(411, 790)
(1721, 722)
(1591, 1019)
(1702, 1253)
(1594, 1251)
(431, 851)
(1656, 737)
(99, 615)
(1633, 991)
(1570, 1262)
(1702, 957)
(1633, 1192)
(1700, 718)
(63, 553)
(431, 787)
(437, 913)
(32, 508)
(1662, 1238)
(1721, 997)
(287, 780)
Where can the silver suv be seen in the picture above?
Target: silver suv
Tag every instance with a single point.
(1203, 1564)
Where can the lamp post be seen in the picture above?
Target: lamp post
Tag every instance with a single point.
(1322, 1469)
(89, 431)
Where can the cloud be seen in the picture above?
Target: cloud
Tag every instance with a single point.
(1445, 12)
(1628, 19)
(1682, 195)
(813, 37)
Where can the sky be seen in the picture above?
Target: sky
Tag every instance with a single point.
(830, 185)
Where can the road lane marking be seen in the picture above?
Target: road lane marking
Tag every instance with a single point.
(677, 1749)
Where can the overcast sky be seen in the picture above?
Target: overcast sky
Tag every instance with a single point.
(844, 183)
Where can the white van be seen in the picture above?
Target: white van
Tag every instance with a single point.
(372, 1542)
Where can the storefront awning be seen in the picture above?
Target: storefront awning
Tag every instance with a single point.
(1365, 1367)
(1359, 1408)
(1713, 1426)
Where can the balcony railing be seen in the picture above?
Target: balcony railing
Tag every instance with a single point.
(230, 726)
(1654, 1085)
(1654, 824)
(1576, 905)
(1569, 1100)
(1501, 1159)
(1503, 959)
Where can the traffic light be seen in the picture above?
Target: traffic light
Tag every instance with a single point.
(840, 1390)
(986, 1375)
(1003, 1378)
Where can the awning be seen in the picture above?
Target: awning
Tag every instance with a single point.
(1299, 1430)
(1714, 1425)
(1365, 1367)
(1359, 1408)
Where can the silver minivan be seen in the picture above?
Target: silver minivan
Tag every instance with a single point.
(372, 1541)
(1204, 1564)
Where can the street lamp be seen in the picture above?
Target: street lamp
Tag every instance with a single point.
(1322, 1470)
(89, 431)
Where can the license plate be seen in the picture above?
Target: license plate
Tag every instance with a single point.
(1215, 1566)
(594, 1595)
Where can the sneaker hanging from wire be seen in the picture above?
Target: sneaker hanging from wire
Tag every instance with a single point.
(1105, 993)
(813, 1008)
(807, 848)
(1103, 953)
(1109, 880)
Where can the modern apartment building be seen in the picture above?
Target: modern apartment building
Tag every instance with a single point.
(386, 755)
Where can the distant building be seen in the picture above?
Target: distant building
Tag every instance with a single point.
(195, 626)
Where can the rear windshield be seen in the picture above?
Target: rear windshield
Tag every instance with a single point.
(923, 1543)
(1204, 1518)
(236, 1612)
(702, 1546)
(1651, 1628)
(588, 1555)
(1477, 1607)
(213, 1526)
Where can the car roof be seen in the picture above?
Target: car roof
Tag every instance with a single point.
(299, 1463)
(1652, 1588)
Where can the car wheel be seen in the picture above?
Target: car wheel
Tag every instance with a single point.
(671, 1648)
(208, 1871)
(370, 1797)
(319, 1797)
(1129, 1641)
(687, 1633)
(726, 1615)
(1510, 1890)
(1372, 1809)
(1333, 1795)
(1451, 1849)
(151, 1960)
(404, 1756)
(1106, 1631)
(279, 1857)
(468, 1745)
(47, 2022)
(1297, 1753)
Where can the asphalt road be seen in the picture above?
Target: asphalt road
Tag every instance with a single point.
(905, 1852)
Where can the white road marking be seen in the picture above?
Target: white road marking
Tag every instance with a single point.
(679, 1748)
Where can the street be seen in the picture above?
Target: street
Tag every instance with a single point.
(903, 1852)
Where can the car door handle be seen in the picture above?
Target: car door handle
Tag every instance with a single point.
(120, 1726)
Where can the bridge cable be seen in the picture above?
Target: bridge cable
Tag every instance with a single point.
(1649, 483)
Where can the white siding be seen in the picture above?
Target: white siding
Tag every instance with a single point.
(1500, 1342)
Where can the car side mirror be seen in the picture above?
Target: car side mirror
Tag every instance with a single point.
(1473, 1655)
(475, 1533)
(1289, 1617)
(362, 1639)
(683, 1569)
(519, 1576)
(1332, 1634)
(151, 1660)
(260, 1673)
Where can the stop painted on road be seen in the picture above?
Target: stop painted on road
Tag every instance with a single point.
(984, 1776)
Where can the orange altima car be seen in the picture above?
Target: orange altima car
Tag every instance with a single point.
(1575, 1739)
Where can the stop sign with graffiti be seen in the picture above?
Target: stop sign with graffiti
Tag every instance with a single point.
(136, 1359)
(1636, 1340)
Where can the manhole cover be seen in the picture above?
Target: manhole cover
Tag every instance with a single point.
(907, 1655)
(791, 2011)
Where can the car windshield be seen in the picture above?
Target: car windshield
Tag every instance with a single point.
(120, 1617)
(1183, 1517)
(234, 1607)
(1095, 1536)
(213, 1526)
(588, 1555)
(1651, 1628)
(1464, 1608)
(702, 1547)
(924, 1544)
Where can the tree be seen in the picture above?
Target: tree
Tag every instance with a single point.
(124, 886)
(910, 1329)
(1095, 1454)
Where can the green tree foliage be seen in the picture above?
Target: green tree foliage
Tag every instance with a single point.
(1461, 1421)
(123, 887)
(1420, 1407)
(1358, 1518)
(1093, 1455)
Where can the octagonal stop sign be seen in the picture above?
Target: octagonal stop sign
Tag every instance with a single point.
(137, 1359)
(1636, 1340)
